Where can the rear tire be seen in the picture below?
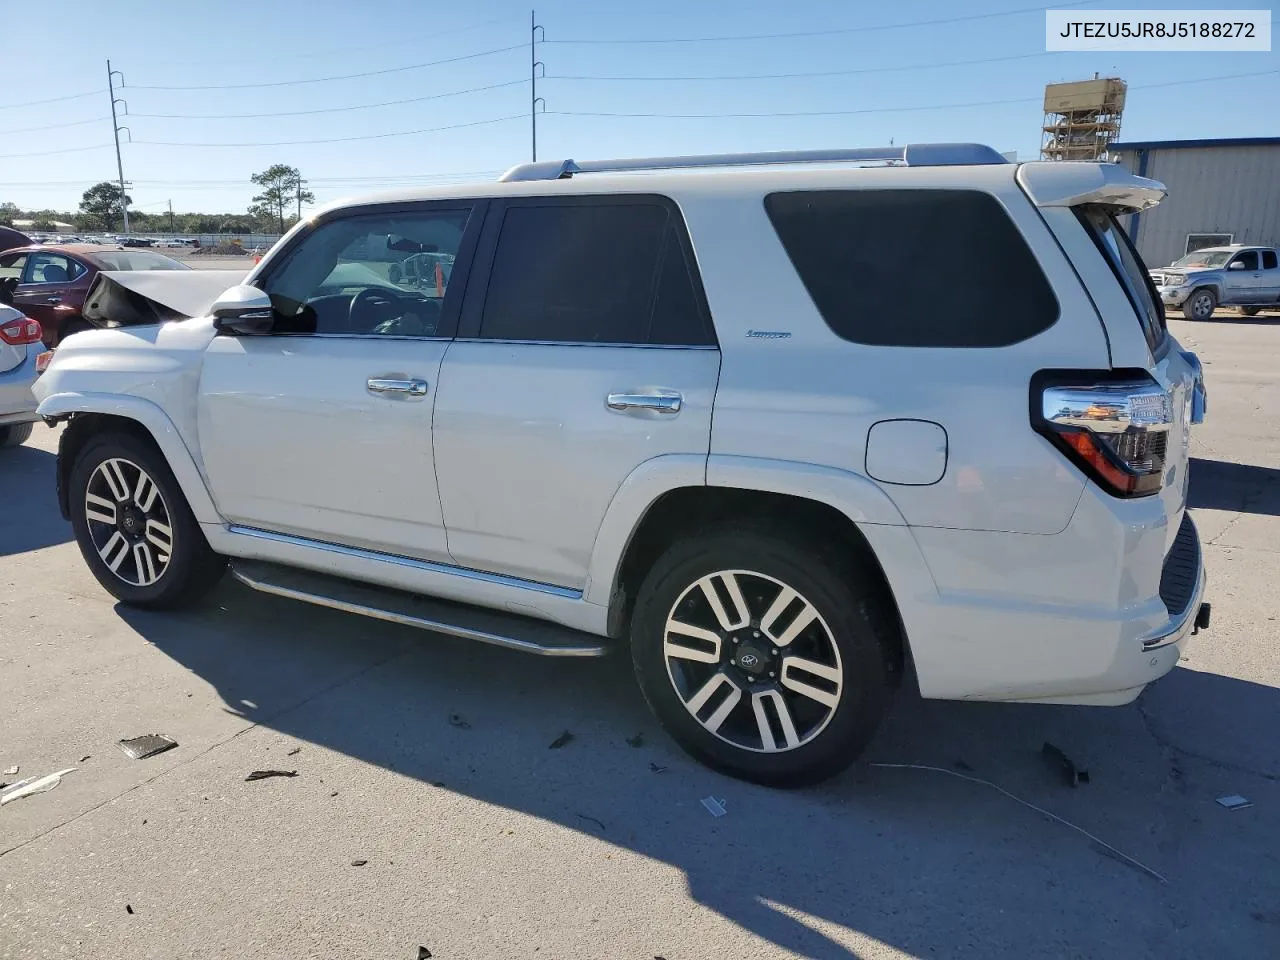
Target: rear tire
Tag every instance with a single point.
(1249, 311)
(134, 526)
(804, 705)
(1200, 305)
(15, 434)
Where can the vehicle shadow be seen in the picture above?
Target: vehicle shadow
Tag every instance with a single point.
(28, 501)
(925, 862)
(1238, 487)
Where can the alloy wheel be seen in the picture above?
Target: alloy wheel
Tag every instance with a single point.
(1202, 306)
(128, 522)
(753, 661)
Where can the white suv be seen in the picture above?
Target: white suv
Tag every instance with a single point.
(778, 427)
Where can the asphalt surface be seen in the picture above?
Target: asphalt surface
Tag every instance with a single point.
(429, 758)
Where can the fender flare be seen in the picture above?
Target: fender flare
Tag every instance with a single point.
(857, 497)
(157, 423)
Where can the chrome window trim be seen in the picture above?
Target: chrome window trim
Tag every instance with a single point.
(426, 566)
(587, 343)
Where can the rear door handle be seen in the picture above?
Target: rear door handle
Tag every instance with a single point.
(664, 402)
(412, 388)
(52, 299)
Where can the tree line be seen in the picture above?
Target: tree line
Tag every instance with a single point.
(276, 208)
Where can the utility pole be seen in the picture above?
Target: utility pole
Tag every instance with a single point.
(299, 198)
(171, 216)
(534, 64)
(115, 130)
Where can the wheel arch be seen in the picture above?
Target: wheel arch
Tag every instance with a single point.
(90, 414)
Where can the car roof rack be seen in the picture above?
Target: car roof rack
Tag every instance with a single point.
(912, 155)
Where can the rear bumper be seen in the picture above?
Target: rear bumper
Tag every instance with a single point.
(17, 402)
(1087, 616)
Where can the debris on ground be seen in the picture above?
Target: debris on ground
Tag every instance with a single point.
(33, 785)
(457, 720)
(12, 771)
(128, 909)
(657, 767)
(636, 741)
(85, 757)
(598, 823)
(358, 863)
(334, 794)
(1234, 802)
(294, 752)
(424, 953)
(139, 748)
(715, 806)
(1120, 855)
(263, 774)
(561, 740)
(1072, 775)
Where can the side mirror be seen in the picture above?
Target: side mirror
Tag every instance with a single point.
(243, 310)
(1236, 265)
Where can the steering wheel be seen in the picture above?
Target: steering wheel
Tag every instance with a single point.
(374, 297)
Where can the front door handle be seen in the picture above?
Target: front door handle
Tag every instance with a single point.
(412, 388)
(664, 402)
(52, 299)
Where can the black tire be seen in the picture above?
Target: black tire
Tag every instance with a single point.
(394, 273)
(846, 603)
(1249, 311)
(192, 567)
(1200, 305)
(15, 434)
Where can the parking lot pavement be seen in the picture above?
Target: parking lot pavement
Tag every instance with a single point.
(429, 758)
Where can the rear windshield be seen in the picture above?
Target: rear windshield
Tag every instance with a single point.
(129, 260)
(1128, 267)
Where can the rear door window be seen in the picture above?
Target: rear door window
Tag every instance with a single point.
(1269, 260)
(595, 271)
(1129, 269)
(914, 268)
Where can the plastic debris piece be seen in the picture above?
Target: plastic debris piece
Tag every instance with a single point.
(11, 771)
(1072, 775)
(424, 953)
(294, 752)
(457, 720)
(598, 823)
(561, 740)
(263, 774)
(358, 863)
(334, 794)
(128, 909)
(657, 767)
(32, 786)
(85, 757)
(1234, 802)
(636, 741)
(139, 748)
(715, 806)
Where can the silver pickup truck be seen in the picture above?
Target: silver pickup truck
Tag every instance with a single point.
(1244, 277)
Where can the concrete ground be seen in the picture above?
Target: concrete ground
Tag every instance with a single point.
(429, 758)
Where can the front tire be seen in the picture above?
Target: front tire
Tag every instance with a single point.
(134, 526)
(1200, 305)
(762, 655)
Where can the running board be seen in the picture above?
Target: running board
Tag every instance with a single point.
(427, 613)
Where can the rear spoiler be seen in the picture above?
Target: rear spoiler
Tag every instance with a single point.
(1060, 183)
(127, 298)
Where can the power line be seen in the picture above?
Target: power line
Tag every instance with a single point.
(371, 136)
(425, 178)
(58, 126)
(305, 113)
(838, 30)
(847, 113)
(345, 76)
(36, 103)
(816, 73)
(46, 153)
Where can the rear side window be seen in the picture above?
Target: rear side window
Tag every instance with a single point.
(914, 268)
(1129, 269)
(593, 272)
(1268, 260)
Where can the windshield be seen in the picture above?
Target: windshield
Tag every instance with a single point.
(1205, 258)
(131, 260)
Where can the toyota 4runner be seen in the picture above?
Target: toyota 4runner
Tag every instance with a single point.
(778, 425)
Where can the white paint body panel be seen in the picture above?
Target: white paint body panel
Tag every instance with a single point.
(907, 452)
(1015, 578)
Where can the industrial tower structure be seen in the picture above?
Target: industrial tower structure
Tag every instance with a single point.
(1082, 119)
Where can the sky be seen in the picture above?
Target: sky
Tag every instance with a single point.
(444, 93)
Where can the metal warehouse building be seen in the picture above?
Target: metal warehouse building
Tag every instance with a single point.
(1220, 191)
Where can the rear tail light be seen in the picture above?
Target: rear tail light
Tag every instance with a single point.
(20, 331)
(1116, 431)
(43, 360)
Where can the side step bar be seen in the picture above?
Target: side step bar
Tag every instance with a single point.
(459, 620)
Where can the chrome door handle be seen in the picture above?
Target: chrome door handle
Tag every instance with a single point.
(413, 388)
(52, 299)
(668, 403)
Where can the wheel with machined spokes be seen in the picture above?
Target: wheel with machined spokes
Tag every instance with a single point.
(134, 527)
(760, 655)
